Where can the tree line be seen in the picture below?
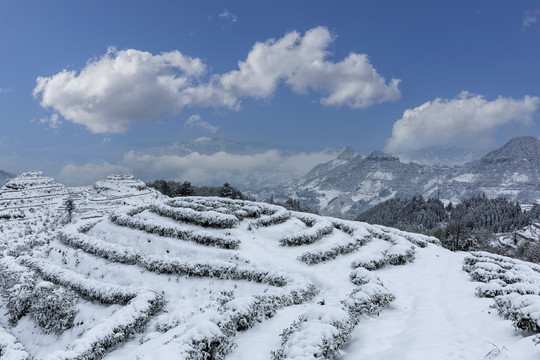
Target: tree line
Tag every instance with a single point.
(174, 189)
(291, 204)
(469, 225)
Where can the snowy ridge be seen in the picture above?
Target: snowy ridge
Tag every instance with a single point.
(345, 188)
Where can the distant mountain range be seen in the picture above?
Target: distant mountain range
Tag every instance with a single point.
(352, 183)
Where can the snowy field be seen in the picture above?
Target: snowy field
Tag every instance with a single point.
(147, 277)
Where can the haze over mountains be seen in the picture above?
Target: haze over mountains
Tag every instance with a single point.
(352, 183)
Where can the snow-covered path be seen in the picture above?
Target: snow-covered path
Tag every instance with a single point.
(437, 316)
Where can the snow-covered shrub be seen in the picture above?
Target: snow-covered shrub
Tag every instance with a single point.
(87, 288)
(95, 246)
(332, 252)
(348, 227)
(240, 208)
(203, 218)
(204, 341)
(216, 341)
(370, 262)
(191, 203)
(53, 307)
(483, 275)
(489, 266)
(270, 215)
(514, 284)
(490, 290)
(522, 310)
(401, 252)
(169, 265)
(362, 276)
(493, 289)
(522, 289)
(317, 334)
(200, 237)
(247, 211)
(318, 227)
(419, 240)
(133, 317)
(17, 283)
(11, 348)
(325, 328)
(503, 261)
(368, 299)
(215, 269)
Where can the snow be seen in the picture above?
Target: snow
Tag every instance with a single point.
(464, 178)
(290, 284)
(264, 337)
(436, 315)
(381, 175)
(514, 178)
(327, 196)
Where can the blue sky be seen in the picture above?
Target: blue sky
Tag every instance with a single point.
(88, 88)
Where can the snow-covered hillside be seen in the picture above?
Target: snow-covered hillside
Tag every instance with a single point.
(135, 275)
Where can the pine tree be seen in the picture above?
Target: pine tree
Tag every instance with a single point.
(186, 189)
(226, 191)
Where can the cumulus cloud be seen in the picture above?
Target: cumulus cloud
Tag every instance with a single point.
(268, 166)
(126, 86)
(121, 87)
(301, 62)
(196, 121)
(468, 121)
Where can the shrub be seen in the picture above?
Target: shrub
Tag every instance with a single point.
(53, 307)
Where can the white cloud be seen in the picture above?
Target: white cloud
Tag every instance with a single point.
(5, 90)
(53, 121)
(269, 166)
(122, 87)
(467, 121)
(74, 175)
(196, 121)
(530, 18)
(352, 82)
(301, 63)
(226, 15)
